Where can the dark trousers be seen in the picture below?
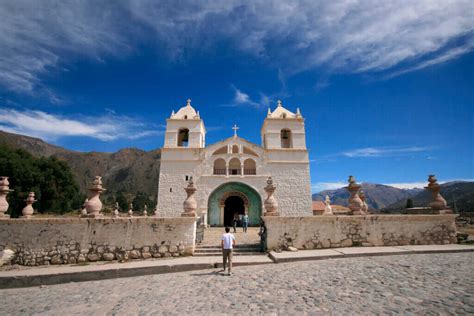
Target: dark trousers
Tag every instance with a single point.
(227, 257)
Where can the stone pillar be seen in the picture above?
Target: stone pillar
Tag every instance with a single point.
(28, 209)
(130, 211)
(94, 205)
(190, 204)
(438, 203)
(115, 214)
(355, 203)
(365, 207)
(84, 210)
(328, 208)
(4, 190)
(145, 211)
(270, 203)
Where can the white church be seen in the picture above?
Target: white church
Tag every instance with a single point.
(230, 175)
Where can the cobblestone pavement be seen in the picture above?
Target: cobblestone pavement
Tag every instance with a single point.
(406, 284)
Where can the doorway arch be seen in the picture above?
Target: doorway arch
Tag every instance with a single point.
(230, 198)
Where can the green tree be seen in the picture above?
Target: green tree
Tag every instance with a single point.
(140, 200)
(409, 203)
(51, 179)
(121, 199)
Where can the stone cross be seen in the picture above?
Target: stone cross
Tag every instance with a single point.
(279, 103)
(235, 128)
(188, 102)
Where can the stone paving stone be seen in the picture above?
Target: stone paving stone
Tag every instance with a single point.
(403, 284)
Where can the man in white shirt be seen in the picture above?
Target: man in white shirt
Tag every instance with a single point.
(227, 244)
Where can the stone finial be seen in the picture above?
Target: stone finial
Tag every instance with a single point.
(298, 113)
(198, 116)
(130, 211)
(145, 211)
(84, 210)
(94, 205)
(270, 203)
(190, 204)
(438, 203)
(172, 114)
(355, 203)
(28, 209)
(327, 208)
(116, 210)
(279, 103)
(269, 112)
(156, 211)
(4, 191)
(365, 206)
(188, 102)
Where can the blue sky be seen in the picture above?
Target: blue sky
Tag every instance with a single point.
(386, 88)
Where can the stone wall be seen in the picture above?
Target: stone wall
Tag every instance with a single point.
(370, 230)
(43, 241)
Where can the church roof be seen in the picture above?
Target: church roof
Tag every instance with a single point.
(281, 112)
(186, 113)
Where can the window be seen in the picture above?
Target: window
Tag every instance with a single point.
(185, 117)
(234, 167)
(183, 137)
(250, 167)
(171, 189)
(219, 167)
(285, 138)
(186, 178)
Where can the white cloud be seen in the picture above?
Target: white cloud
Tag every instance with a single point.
(384, 151)
(323, 186)
(49, 127)
(341, 36)
(242, 98)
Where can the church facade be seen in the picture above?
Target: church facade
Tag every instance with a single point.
(230, 175)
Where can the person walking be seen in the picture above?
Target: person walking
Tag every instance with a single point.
(235, 221)
(245, 222)
(227, 244)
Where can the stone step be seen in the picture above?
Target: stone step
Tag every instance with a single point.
(209, 250)
(219, 254)
(243, 248)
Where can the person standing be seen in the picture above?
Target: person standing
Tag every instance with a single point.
(227, 244)
(245, 222)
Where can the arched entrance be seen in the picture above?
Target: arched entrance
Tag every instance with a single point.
(230, 198)
(232, 205)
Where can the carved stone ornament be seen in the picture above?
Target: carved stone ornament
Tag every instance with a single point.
(438, 203)
(94, 205)
(355, 203)
(328, 208)
(28, 210)
(4, 190)
(270, 203)
(190, 204)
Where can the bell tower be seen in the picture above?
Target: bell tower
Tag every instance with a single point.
(181, 157)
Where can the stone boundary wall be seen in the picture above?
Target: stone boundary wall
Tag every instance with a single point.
(43, 241)
(360, 230)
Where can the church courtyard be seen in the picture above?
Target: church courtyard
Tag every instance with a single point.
(406, 284)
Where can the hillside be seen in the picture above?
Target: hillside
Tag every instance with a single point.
(462, 191)
(129, 169)
(378, 196)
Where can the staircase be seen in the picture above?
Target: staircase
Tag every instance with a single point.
(248, 244)
(239, 250)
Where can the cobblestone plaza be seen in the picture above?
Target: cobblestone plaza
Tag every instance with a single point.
(407, 284)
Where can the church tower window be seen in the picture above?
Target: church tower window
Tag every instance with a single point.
(183, 137)
(285, 138)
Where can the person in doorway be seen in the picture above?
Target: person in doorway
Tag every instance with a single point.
(235, 221)
(227, 244)
(245, 222)
(263, 235)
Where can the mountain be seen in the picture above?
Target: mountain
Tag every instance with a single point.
(130, 169)
(377, 196)
(462, 191)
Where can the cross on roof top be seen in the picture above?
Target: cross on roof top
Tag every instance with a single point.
(279, 102)
(235, 128)
(188, 102)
